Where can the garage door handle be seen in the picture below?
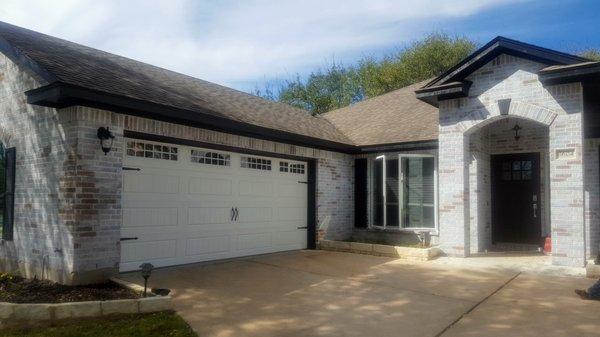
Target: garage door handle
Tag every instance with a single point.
(232, 214)
(128, 239)
(237, 214)
(302, 227)
(131, 168)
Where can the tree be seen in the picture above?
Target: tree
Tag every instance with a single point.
(592, 54)
(322, 91)
(423, 59)
(338, 86)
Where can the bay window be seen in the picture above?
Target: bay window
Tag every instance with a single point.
(404, 192)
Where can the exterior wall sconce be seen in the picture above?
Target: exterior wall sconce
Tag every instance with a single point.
(106, 139)
(516, 129)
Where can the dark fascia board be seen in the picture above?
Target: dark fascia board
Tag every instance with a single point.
(399, 147)
(432, 95)
(569, 75)
(62, 95)
(502, 45)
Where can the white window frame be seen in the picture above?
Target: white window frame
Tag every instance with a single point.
(401, 227)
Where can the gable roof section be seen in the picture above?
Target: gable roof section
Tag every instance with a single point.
(79, 75)
(392, 118)
(452, 83)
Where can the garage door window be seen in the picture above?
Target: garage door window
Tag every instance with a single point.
(147, 150)
(256, 163)
(211, 158)
(292, 168)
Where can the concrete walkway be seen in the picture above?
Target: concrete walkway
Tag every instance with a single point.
(317, 293)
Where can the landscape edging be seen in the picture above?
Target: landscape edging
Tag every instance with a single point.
(19, 314)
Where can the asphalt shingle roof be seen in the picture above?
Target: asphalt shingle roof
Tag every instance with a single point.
(395, 117)
(78, 65)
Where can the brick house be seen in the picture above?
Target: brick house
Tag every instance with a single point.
(499, 152)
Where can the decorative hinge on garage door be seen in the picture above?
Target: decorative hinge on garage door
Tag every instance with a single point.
(131, 168)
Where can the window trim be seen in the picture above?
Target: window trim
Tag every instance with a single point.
(401, 227)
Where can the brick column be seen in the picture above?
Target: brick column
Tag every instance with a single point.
(453, 193)
(97, 198)
(567, 190)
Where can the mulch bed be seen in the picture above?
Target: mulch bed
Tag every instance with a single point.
(15, 289)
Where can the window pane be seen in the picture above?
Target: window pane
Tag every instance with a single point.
(378, 193)
(418, 192)
(392, 192)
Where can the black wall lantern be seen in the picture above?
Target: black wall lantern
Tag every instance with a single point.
(516, 129)
(106, 139)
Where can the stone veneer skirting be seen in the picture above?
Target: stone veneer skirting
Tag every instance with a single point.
(409, 253)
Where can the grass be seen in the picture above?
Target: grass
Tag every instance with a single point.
(162, 324)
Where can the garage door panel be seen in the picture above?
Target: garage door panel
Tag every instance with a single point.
(150, 217)
(254, 241)
(181, 210)
(254, 214)
(294, 238)
(208, 245)
(256, 188)
(291, 214)
(209, 186)
(151, 183)
(209, 215)
(292, 190)
(149, 250)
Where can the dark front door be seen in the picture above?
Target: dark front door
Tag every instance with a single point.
(516, 198)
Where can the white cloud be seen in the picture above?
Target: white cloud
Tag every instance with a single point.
(233, 42)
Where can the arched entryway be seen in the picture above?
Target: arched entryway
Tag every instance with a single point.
(508, 184)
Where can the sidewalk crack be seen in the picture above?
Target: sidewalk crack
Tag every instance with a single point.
(476, 305)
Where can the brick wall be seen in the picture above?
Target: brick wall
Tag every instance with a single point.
(44, 140)
(592, 196)
(557, 107)
(68, 197)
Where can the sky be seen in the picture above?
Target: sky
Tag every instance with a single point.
(245, 44)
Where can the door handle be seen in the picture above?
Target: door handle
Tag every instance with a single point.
(302, 227)
(237, 214)
(535, 210)
(128, 239)
(232, 214)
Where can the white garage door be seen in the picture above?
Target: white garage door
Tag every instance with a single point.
(183, 204)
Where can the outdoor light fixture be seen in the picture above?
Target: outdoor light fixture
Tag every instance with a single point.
(146, 271)
(106, 139)
(516, 129)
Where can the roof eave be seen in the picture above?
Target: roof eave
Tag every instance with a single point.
(432, 95)
(62, 95)
(570, 75)
(502, 45)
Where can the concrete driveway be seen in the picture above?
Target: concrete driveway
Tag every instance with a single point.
(317, 293)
